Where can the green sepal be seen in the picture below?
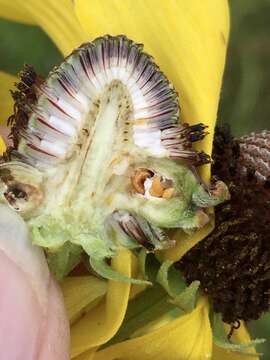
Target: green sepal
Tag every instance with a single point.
(221, 340)
(185, 297)
(149, 265)
(47, 232)
(54, 230)
(94, 245)
(188, 298)
(204, 199)
(64, 260)
(101, 267)
(142, 262)
(163, 277)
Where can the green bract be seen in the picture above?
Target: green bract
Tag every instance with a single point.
(100, 160)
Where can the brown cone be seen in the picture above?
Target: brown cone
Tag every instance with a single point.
(233, 263)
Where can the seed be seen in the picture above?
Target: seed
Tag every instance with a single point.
(139, 178)
(167, 183)
(202, 217)
(156, 188)
(168, 193)
(220, 188)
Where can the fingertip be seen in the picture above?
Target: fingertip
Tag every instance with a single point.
(56, 340)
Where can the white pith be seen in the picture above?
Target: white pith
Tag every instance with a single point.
(89, 167)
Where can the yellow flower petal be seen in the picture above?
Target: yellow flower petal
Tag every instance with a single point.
(88, 355)
(56, 18)
(2, 146)
(188, 337)
(11, 11)
(81, 294)
(100, 324)
(188, 39)
(6, 102)
(239, 336)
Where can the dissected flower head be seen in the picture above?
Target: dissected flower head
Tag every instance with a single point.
(99, 156)
(233, 263)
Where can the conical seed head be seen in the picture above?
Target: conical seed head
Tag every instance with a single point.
(233, 262)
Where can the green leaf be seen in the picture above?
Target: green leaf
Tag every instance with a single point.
(101, 267)
(220, 337)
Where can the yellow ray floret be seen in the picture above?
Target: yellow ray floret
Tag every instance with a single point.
(81, 294)
(239, 336)
(11, 11)
(188, 337)
(100, 324)
(56, 18)
(2, 146)
(6, 102)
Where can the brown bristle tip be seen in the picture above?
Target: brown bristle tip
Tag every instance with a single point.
(28, 75)
(24, 99)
